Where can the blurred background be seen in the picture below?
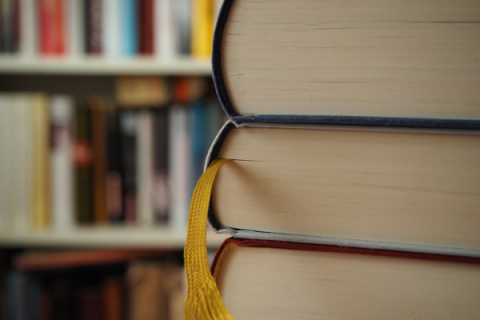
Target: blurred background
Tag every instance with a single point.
(107, 111)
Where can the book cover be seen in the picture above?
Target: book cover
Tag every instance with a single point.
(62, 162)
(112, 28)
(115, 210)
(145, 168)
(179, 163)
(41, 201)
(166, 44)
(52, 27)
(146, 27)
(202, 28)
(93, 34)
(99, 156)
(161, 166)
(129, 18)
(28, 46)
(75, 28)
(128, 132)
(84, 200)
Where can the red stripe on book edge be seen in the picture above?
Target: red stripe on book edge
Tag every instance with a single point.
(325, 248)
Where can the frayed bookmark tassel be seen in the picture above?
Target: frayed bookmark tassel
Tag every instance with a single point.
(203, 298)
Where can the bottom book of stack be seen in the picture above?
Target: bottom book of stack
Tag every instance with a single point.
(264, 280)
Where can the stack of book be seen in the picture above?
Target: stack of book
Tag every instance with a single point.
(109, 28)
(354, 189)
(130, 159)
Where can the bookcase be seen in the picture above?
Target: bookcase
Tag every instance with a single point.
(80, 76)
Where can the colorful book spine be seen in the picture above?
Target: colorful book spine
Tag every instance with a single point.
(62, 170)
(94, 27)
(52, 27)
(128, 129)
(75, 28)
(41, 163)
(114, 166)
(129, 17)
(145, 213)
(111, 26)
(161, 182)
(28, 28)
(146, 27)
(180, 161)
(99, 157)
(202, 28)
(83, 166)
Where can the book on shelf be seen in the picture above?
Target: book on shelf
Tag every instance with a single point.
(93, 284)
(103, 160)
(161, 29)
(352, 178)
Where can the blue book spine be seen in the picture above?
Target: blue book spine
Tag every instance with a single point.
(129, 36)
(199, 136)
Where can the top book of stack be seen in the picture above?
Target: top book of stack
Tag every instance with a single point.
(352, 62)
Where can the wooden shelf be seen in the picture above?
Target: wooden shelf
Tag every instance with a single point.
(96, 66)
(105, 237)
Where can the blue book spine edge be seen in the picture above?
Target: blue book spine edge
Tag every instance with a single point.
(227, 106)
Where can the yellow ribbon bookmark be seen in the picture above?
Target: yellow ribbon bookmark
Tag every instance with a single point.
(203, 298)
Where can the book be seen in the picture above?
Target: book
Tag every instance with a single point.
(62, 165)
(145, 168)
(20, 184)
(93, 27)
(392, 188)
(98, 111)
(52, 27)
(179, 163)
(202, 28)
(278, 280)
(166, 44)
(28, 46)
(129, 31)
(148, 299)
(128, 138)
(75, 28)
(161, 186)
(84, 200)
(364, 63)
(114, 165)
(182, 14)
(111, 26)
(146, 20)
(41, 201)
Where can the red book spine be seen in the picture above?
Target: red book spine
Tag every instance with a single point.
(146, 27)
(46, 9)
(52, 27)
(59, 27)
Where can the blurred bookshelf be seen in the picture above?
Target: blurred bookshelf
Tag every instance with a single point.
(143, 66)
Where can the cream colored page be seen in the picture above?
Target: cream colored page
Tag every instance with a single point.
(266, 283)
(356, 58)
(405, 187)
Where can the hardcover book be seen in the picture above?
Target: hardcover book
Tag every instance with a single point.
(321, 282)
(355, 62)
